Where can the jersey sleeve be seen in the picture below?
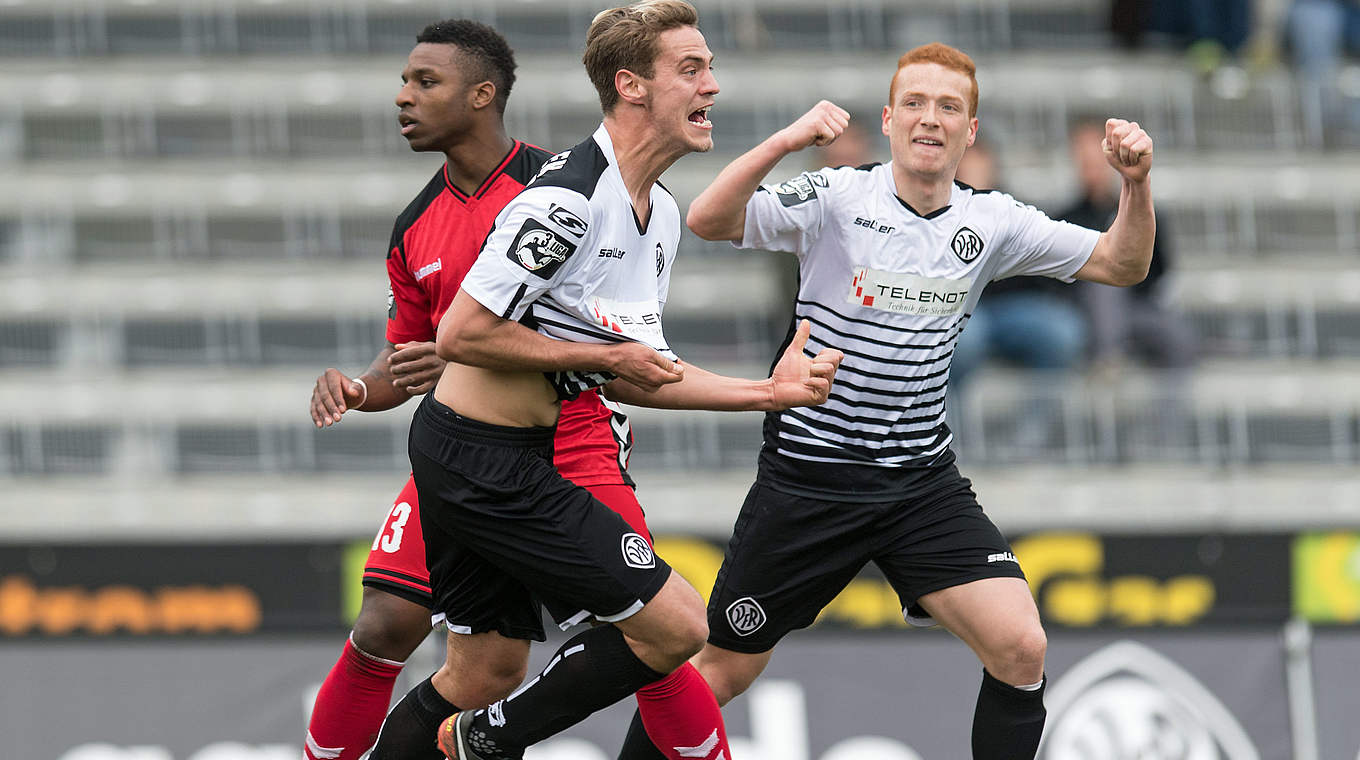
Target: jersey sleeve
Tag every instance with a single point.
(788, 216)
(408, 305)
(1039, 246)
(530, 250)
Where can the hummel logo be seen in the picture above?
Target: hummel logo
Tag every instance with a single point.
(429, 269)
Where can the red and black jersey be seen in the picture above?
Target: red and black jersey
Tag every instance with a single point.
(434, 243)
(437, 238)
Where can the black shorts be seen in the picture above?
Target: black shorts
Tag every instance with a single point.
(790, 555)
(505, 531)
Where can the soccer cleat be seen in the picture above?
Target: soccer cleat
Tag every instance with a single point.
(452, 737)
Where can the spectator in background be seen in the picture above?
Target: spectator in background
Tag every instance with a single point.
(855, 147)
(1214, 29)
(1033, 322)
(1124, 321)
(1320, 32)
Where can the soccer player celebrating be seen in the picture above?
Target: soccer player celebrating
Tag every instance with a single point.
(892, 260)
(584, 253)
(456, 83)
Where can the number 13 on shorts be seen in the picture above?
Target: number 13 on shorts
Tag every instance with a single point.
(389, 537)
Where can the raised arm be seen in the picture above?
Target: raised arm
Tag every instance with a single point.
(471, 334)
(719, 213)
(797, 380)
(1124, 252)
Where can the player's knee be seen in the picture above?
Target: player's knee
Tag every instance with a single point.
(693, 636)
(685, 636)
(473, 683)
(1021, 658)
(500, 677)
(390, 627)
(727, 685)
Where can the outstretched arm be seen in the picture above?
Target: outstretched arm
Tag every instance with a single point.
(797, 380)
(719, 213)
(1124, 252)
(471, 334)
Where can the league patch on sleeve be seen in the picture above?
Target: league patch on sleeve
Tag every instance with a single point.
(539, 249)
(798, 190)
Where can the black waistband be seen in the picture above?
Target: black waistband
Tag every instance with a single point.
(843, 481)
(447, 421)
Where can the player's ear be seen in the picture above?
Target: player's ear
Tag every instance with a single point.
(972, 131)
(482, 95)
(887, 119)
(630, 86)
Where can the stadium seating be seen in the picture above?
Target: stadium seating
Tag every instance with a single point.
(198, 198)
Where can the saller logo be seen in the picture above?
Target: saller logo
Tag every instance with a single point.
(1129, 701)
(637, 552)
(539, 249)
(967, 245)
(745, 616)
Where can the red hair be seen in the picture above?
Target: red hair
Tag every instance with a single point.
(950, 58)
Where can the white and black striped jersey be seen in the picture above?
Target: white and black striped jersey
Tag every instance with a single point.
(892, 289)
(568, 257)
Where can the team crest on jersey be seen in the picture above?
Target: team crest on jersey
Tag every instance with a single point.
(967, 245)
(573, 224)
(539, 249)
(660, 259)
(745, 616)
(800, 189)
(637, 552)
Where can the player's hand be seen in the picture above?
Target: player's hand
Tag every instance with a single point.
(820, 126)
(415, 367)
(1128, 149)
(799, 380)
(643, 366)
(333, 395)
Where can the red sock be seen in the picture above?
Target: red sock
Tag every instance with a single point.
(350, 706)
(682, 717)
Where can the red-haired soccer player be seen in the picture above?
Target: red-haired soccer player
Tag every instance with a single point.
(892, 260)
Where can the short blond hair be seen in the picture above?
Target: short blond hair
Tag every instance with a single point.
(949, 57)
(626, 38)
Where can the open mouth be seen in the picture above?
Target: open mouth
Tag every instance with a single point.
(929, 142)
(699, 118)
(407, 123)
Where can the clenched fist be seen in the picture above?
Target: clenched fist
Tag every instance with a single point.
(1128, 149)
(819, 126)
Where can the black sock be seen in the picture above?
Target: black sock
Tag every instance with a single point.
(1008, 721)
(409, 731)
(637, 745)
(590, 672)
